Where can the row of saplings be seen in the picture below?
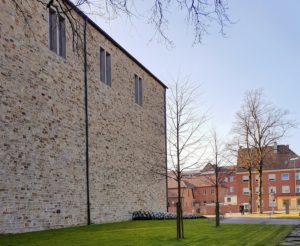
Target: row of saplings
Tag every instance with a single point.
(148, 215)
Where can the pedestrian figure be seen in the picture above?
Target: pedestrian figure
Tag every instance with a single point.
(242, 209)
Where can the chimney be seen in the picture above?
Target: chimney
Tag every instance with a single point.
(275, 148)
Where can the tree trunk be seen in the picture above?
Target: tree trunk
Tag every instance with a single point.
(250, 190)
(179, 211)
(260, 187)
(181, 220)
(179, 207)
(217, 200)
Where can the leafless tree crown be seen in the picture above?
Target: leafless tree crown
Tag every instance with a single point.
(258, 125)
(185, 136)
(199, 14)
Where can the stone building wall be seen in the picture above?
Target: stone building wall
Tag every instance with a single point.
(42, 130)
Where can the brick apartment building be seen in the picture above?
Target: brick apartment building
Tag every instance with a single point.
(187, 194)
(201, 185)
(281, 185)
(281, 180)
(77, 131)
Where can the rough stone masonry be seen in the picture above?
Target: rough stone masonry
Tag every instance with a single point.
(42, 128)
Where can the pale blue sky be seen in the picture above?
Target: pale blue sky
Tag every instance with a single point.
(262, 50)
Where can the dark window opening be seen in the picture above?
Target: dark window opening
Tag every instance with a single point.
(57, 33)
(138, 90)
(105, 67)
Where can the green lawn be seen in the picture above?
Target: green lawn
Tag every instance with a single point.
(197, 232)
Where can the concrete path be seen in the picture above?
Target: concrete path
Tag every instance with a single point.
(247, 220)
(293, 238)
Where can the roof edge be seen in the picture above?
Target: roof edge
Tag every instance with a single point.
(93, 24)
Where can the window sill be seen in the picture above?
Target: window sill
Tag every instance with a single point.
(58, 55)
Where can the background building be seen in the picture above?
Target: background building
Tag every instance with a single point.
(280, 184)
(187, 194)
(281, 180)
(201, 186)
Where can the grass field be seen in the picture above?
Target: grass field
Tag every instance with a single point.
(197, 232)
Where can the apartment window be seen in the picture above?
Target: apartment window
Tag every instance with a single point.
(272, 177)
(285, 189)
(297, 189)
(285, 176)
(245, 178)
(228, 199)
(231, 178)
(246, 191)
(297, 175)
(256, 178)
(272, 189)
(225, 179)
(57, 33)
(105, 67)
(212, 191)
(138, 90)
(231, 189)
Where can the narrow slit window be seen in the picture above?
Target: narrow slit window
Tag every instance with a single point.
(105, 67)
(138, 90)
(52, 30)
(57, 33)
(62, 37)
(108, 69)
(136, 81)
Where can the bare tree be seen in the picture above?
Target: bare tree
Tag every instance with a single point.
(198, 14)
(184, 138)
(246, 156)
(216, 172)
(258, 125)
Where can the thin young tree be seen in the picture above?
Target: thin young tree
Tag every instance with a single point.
(184, 137)
(261, 124)
(221, 159)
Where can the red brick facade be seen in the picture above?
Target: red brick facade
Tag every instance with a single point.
(280, 186)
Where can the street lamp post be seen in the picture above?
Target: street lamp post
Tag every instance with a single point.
(294, 160)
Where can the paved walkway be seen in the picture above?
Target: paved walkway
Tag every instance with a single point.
(292, 239)
(247, 220)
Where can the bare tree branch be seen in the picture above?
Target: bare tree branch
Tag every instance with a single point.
(199, 14)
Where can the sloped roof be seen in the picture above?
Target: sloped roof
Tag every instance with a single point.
(100, 30)
(191, 182)
(199, 181)
(172, 184)
(211, 167)
(277, 157)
